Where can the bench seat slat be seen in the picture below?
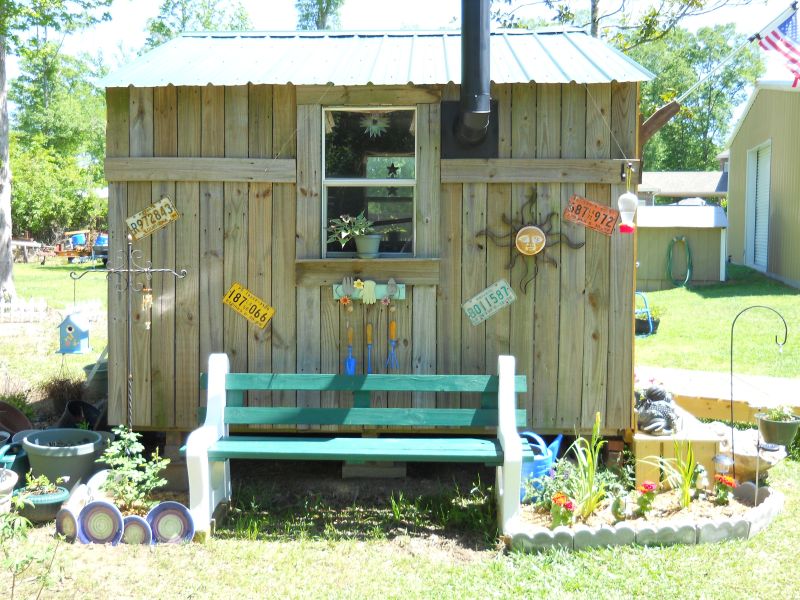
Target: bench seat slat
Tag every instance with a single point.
(368, 383)
(430, 417)
(460, 450)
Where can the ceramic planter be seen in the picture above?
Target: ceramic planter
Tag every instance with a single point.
(63, 453)
(39, 508)
(777, 432)
(367, 245)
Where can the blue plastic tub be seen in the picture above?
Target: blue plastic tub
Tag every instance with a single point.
(78, 239)
(543, 460)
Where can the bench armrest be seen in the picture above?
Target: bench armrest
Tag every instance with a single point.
(218, 369)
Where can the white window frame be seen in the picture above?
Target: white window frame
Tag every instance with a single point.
(328, 182)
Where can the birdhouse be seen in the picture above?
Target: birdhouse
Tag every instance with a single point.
(74, 335)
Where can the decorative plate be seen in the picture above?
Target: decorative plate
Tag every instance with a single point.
(171, 523)
(67, 524)
(100, 522)
(136, 531)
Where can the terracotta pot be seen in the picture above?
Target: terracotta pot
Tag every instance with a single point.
(12, 419)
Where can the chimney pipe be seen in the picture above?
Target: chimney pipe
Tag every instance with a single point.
(474, 106)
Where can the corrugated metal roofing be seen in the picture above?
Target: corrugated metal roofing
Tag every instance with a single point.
(377, 58)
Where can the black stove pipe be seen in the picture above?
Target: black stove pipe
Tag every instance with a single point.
(475, 109)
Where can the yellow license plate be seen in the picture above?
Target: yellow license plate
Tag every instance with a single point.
(247, 304)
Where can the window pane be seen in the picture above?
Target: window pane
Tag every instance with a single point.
(375, 144)
(390, 208)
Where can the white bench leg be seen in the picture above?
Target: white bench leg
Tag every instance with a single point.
(209, 482)
(507, 484)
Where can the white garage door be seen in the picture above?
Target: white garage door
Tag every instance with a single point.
(761, 238)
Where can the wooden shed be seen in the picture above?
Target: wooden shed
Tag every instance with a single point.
(235, 129)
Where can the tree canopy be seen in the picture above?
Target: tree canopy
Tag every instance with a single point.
(624, 23)
(176, 16)
(317, 14)
(694, 137)
(16, 18)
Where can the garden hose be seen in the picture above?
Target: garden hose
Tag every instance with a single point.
(675, 282)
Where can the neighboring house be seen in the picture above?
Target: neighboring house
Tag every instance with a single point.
(764, 190)
(672, 186)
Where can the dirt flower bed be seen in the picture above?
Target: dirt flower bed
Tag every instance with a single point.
(666, 509)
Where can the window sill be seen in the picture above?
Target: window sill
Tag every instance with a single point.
(328, 271)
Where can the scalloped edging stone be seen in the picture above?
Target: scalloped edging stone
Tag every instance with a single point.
(526, 537)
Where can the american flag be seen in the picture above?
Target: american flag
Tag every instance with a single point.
(783, 39)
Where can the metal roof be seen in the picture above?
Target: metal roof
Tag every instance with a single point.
(376, 58)
(681, 216)
(684, 184)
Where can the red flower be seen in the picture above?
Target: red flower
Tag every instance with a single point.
(562, 500)
(647, 487)
(725, 480)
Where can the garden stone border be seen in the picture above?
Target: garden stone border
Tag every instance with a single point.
(534, 538)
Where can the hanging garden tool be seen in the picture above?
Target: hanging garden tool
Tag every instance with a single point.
(350, 361)
(369, 347)
(391, 361)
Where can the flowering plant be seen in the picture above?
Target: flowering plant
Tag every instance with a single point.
(346, 228)
(647, 493)
(561, 509)
(780, 413)
(723, 486)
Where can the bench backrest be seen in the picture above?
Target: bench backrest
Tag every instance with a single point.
(362, 386)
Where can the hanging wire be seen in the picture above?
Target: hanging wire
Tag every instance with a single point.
(605, 121)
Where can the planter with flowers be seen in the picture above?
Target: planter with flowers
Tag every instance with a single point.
(778, 425)
(358, 228)
(583, 504)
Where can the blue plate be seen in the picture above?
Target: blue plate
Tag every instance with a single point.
(100, 522)
(171, 523)
(136, 531)
(67, 524)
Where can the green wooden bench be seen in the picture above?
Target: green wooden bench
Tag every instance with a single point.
(210, 448)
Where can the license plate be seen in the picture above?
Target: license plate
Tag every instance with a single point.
(595, 216)
(247, 304)
(152, 218)
(488, 302)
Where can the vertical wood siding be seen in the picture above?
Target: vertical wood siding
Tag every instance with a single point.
(571, 332)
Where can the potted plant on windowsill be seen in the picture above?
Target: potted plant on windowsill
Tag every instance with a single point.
(778, 425)
(357, 228)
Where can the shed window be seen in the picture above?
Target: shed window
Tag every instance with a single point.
(370, 166)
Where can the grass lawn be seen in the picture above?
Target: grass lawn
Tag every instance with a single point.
(28, 350)
(695, 329)
(391, 552)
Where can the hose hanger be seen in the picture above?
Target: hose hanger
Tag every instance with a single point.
(677, 240)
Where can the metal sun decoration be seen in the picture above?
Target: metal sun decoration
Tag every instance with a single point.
(526, 218)
(375, 124)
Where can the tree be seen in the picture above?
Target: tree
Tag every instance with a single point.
(17, 17)
(317, 14)
(52, 192)
(622, 22)
(56, 99)
(177, 16)
(693, 138)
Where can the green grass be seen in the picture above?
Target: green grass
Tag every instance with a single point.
(423, 561)
(52, 282)
(28, 350)
(695, 329)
